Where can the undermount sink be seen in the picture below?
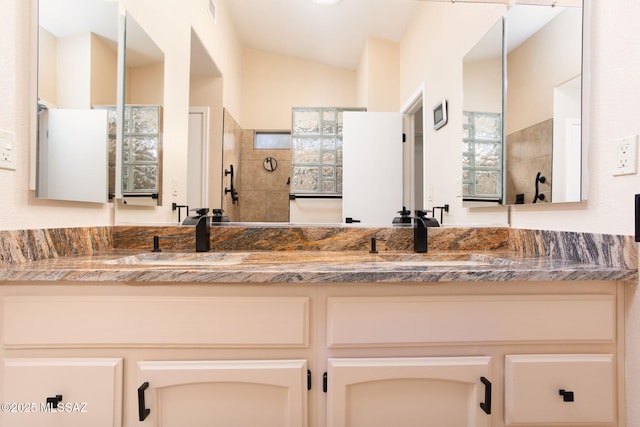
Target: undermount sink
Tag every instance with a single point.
(271, 258)
(177, 259)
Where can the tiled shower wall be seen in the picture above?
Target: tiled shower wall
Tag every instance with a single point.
(264, 195)
(231, 148)
(529, 152)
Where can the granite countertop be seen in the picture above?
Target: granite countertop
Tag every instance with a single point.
(140, 267)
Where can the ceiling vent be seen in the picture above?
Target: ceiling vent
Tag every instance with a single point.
(212, 11)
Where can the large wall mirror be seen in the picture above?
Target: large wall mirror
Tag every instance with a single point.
(77, 69)
(543, 129)
(534, 152)
(77, 74)
(141, 154)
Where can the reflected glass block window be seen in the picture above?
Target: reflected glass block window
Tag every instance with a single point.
(272, 140)
(316, 150)
(141, 149)
(482, 155)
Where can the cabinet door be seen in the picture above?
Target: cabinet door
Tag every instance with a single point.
(83, 392)
(235, 393)
(409, 392)
(548, 389)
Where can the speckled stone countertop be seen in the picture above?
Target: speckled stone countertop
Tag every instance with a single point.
(295, 254)
(308, 267)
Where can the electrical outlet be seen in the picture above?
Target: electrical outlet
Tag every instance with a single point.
(7, 150)
(626, 156)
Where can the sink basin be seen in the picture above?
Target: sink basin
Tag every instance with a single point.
(269, 259)
(184, 259)
(440, 260)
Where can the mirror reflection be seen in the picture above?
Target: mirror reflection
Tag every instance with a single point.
(543, 104)
(482, 159)
(77, 69)
(142, 139)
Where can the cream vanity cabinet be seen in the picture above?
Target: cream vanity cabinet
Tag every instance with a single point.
(194, 356)
(541, 355)
(409, 354)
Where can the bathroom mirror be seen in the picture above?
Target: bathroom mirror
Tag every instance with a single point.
(544, 136)
(482, 120)
(77, 98)
(140, 157)
(77, 69)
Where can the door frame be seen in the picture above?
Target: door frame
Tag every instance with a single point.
(204, 111)
(408, 110)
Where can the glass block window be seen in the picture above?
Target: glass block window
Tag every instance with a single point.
(272, 140)
(316, 150)
(141, 149)
(482, 155)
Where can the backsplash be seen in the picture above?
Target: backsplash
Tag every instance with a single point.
(604, 249)
(29, 245)
(236, 237)
(617, 251)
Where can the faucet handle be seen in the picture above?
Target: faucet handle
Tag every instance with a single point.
(202, 211)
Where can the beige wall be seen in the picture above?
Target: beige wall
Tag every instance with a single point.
(378, 76)
(47, 63)
(482, 86)
(74, 71)
(104, 72)
(206, 91)
(146, 85)
(274, 84)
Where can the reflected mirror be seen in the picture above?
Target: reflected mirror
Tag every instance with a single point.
(482, 120)
(141, 154)
(77, 69)
(543, 129)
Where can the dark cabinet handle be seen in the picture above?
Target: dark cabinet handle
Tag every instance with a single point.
(486, 405)
(142, 411)
(567, 396)
(52, 402)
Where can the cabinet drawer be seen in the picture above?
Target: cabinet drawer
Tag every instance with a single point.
(412, 321)
(156, 321)
(559, 388)
(90, 392)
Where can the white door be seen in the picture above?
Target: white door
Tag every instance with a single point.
(372, 162)
(408, 392)
(197, 157)
(229, 393)
(81, 392)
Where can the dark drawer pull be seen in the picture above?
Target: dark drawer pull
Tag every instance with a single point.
(567, 396)
(142, 411)
(486, 405)
(52, 402)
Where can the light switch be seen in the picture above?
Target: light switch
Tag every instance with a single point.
(7, 150)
